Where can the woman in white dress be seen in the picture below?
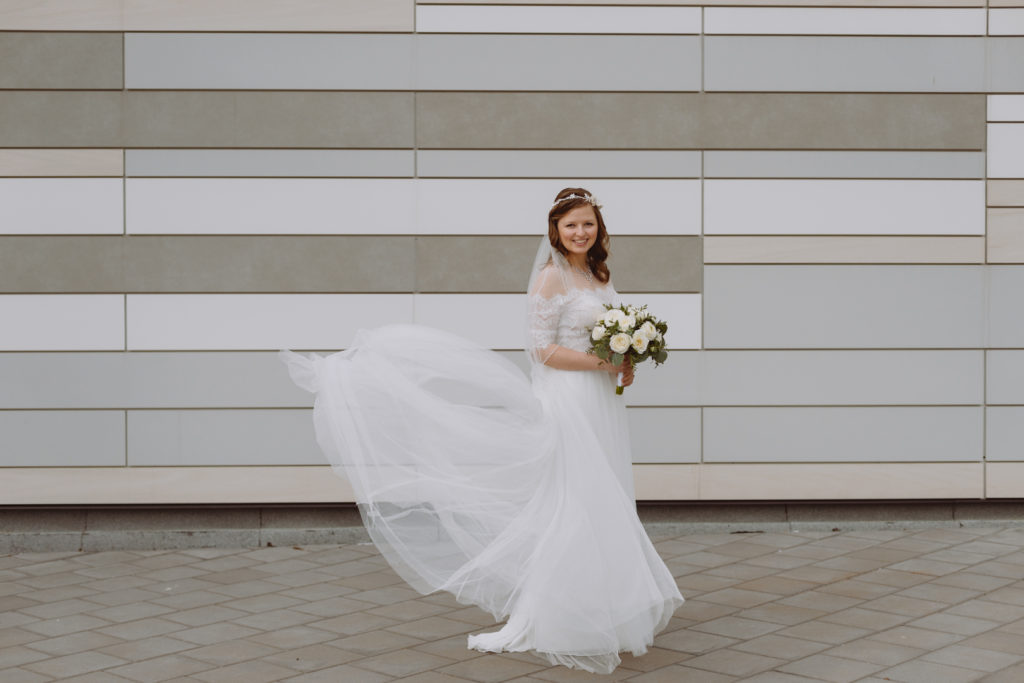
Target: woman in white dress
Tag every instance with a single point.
(514, 495)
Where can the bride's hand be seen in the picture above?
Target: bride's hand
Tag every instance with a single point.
(627, 372)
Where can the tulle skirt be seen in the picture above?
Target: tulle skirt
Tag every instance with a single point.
(513, 496)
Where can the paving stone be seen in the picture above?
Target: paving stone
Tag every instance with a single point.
(773, 645)
(911, 636)
(829, 668)
(736, 627)
(311, 658)
(973, 658)
(74, 665)
(921, 671)
(952, 623)
(734, 662)
(75, 642)
(876, 652)
(244, 672)
(491, 669)
(824, 632)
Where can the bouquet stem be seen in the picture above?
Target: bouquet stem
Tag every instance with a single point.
(618, 385)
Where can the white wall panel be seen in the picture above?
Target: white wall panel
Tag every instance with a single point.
(354, 206)
(258, 321)
(1006, 107)
(1005, 377)
(1006, 150)
(1006, 22)
(539, 19)
(496, 320)
(506, 207)
(64, 206)
(844, 21)
(61, 322)
(269, 206)
(844, 207)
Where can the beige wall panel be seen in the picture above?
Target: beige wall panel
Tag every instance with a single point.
(164, 485)
(207, 15)
(268, 119)
(460, 120)
(86, 61)
(666, 482)
(1006, 3)
(1004, 480)
(62, 163)
(178, 264)
(280, 484)
(205, 119)
(1006, 193)
(843, 249)
(876, 481)
(61, 119)
(475, 263)
(1006, 235)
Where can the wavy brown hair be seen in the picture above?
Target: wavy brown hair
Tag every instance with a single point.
(598, 253)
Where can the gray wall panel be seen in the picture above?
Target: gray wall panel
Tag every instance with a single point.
(147, 380)
(268, 61)
(1004, 433)
(907, 434)
(560, 63)
(1005, 57)
(664, 434)
(84, 61)
(843, 306)
(270, 163)
(844, 164)
(842, 377)
(74, 438)
(1005, 383)
(450, 163)
(161, 264)
(1006, 323)
(233, 380)
(840, 63)
(205, 119)
(222, 437)
(692, 121)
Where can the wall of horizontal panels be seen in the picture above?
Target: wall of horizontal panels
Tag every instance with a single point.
(824, 199)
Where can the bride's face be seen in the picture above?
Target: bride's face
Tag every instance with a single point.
(577, 230)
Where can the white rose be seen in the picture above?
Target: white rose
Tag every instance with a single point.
(613, 316)
(649, 330)
(620, 342)
(598, 332)
(628, 323)
(639, 341)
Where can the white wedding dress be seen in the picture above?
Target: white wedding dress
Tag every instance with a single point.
(513, 495)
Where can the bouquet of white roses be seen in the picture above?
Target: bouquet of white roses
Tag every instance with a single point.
(628, 333)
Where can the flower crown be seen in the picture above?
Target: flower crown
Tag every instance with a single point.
(590, 199)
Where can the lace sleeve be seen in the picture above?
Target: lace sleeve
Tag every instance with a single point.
(544, 308)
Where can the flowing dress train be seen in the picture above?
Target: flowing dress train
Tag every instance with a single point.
(514, 495)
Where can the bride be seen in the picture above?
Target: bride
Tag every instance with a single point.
(514, 495)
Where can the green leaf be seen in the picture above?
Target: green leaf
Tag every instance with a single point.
(617, 359)
(661, 356)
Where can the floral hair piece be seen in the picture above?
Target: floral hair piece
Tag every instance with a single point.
(591, 199)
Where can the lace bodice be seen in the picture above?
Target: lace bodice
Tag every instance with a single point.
(566, 319)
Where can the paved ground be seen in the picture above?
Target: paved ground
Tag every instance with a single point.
(935, 605)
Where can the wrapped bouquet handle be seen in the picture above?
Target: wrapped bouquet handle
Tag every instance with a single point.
(628, 334)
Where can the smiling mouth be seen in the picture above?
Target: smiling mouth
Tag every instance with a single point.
(579, 243)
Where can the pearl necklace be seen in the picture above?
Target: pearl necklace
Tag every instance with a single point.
(585, 273)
